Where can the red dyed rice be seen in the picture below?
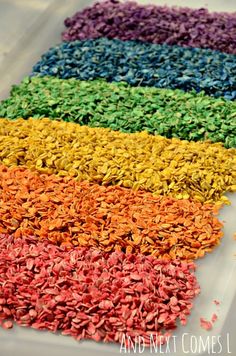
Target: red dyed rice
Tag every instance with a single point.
(90, 294)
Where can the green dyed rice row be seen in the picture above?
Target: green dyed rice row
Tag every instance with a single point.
(172, 113)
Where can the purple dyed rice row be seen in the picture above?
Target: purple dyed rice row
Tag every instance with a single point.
(154, 24)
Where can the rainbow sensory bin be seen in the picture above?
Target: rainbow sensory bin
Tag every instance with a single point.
(117, 152)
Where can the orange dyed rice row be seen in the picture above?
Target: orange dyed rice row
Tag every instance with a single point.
(71, 213)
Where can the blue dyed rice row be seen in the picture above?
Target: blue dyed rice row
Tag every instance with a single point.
(143, 64)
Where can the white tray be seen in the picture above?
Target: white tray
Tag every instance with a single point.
(36, 26)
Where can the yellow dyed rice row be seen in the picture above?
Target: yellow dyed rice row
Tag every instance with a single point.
(182, 169)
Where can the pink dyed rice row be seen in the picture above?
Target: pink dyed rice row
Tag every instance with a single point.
(90, 294)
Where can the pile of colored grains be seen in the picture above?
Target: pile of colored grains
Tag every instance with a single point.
(167, 112)
(80, 251)
(143, 64)
(90, 294)
(157, 24)
(180, 169)
(110, 218)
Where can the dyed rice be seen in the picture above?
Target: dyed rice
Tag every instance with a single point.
(109, 218)
(171, 113)
(92, 295)
(180, 169)
(142, 64)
